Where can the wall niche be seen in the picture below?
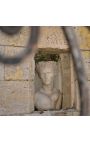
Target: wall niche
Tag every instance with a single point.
(54, 81)
(49, 98)
(48, 82)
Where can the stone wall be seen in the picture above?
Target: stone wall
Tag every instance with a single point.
(17, 82)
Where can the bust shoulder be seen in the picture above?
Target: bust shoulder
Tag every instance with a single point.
(42, 102)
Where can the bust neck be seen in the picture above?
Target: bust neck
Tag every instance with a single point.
(48, 89)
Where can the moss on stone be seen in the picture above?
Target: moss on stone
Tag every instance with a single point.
(41, 56)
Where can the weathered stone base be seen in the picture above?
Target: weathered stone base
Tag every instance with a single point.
(68, 112)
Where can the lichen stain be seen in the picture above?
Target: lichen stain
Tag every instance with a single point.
(17, 75)
(83, 35)
(86, 54)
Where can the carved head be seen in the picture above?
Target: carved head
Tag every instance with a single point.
(46, 71)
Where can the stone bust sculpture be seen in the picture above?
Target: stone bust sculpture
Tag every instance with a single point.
(48, 97)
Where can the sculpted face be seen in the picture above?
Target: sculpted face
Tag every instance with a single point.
(46, 71)
(47, 76)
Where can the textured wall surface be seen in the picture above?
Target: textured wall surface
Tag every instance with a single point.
(17, 82)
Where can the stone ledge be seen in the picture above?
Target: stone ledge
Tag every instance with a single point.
(67, 112)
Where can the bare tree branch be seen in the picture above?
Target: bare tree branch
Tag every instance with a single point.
(80, 70)
(33, 38)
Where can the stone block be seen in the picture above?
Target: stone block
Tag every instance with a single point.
(86, 59)
(19, 39)
(16, 98)
(73, 75)
(83, 36)
(66, 80)
(22, 71)
(77, 96)
(52, 37)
